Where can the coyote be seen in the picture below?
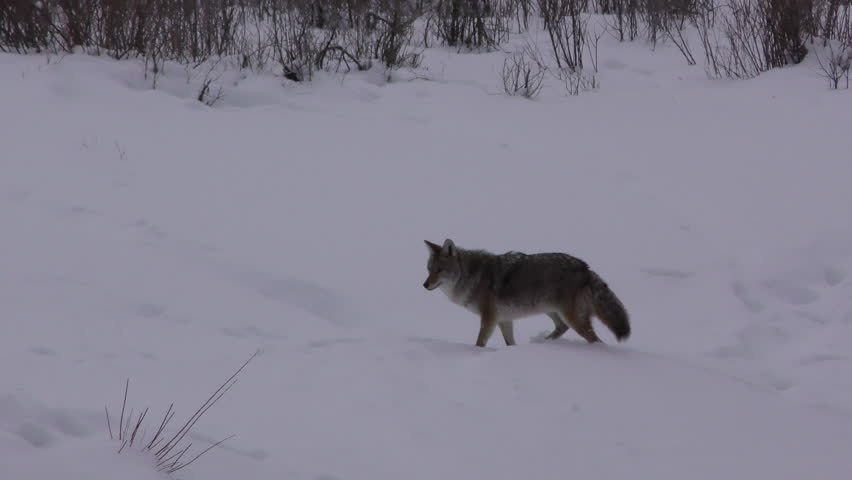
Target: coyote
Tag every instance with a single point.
(504, 288)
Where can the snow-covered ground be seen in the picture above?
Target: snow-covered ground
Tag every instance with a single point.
(145, 235)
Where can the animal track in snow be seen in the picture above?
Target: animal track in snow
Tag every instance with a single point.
(82, 211)
(310, 297)
(777, 382)
(834, 276)
(35, 435)
(151, 231)
(67, 424)
(326, 476)
(745, 296)
(667, 272)
(150, 310)
(446, 347)
(252, 332)
(821, 358)
(811, 317)
(790, 292)
(15, 195)
(43, 351)
(331, 341)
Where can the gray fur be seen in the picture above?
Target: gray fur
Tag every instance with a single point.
(504, 288)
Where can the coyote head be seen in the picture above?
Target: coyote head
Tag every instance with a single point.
(443, 264)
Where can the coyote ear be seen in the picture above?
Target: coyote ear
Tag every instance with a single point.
(449, 248)
(433, 248)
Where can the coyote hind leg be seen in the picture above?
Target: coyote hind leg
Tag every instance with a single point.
(581, 321)
(559, 327)
(508, 331)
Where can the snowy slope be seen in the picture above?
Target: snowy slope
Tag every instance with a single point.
(147, 236)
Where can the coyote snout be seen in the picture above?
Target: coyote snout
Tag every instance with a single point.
(504, 288)
(430, 284)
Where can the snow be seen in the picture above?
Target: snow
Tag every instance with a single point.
(150, 237)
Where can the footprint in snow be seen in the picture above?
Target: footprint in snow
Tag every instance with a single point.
(821, 358)
(790, 292)
(82, 211)
(745, 296)
(310, 297)
(35, 435)
(150, 310)
(834, 276)
(445, 347)
(15, 195)
(812, 317)
(252, 332)
(68, 424)
(333, 341)
(777, 382)
(326, 476)
(671, 273)
(149, 230)
(43, 351)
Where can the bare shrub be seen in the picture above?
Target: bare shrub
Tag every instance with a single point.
(667, 20)
(297, 36)
(784, 23)
(675, 32)
(706, 25)
(830, 19)
(523, 73)
(653, 14)
(155, 61)
(75, 25)
(745, 31)
(25, 26)
(112, 28)
(732, 36)
(572, 43)
(472, 24)
(523, 10)
(832, 22)
(251, 38)
(380, 30)
(208, 93)
(743, 38)
(566, 24)
(675, 22)
(835, 65)
(293, 40)
(393, 37)
(593, 38)
(577, 81)
(623, 18)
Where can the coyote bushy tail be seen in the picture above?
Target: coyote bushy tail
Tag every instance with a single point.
(609, 308)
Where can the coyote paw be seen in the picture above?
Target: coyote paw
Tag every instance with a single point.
(541, 337)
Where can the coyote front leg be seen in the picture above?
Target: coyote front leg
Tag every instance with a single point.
(487, 322)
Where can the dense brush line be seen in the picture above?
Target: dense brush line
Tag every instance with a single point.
(740, 38)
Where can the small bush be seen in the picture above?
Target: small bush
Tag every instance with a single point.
(523, 74)
(473, 24)
(169, 452)
(566, 26)
(578, 81)
(835, 64)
